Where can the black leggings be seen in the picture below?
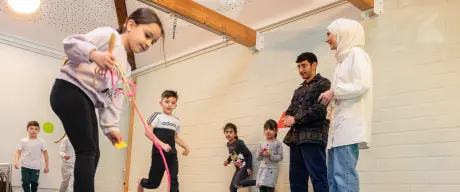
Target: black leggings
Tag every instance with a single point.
(240, 180)
(157, 170)
(78, 116)
(266, 189)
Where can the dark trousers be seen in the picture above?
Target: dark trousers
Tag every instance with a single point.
(157, 170)
(30, 179)
(308, 161)
(240, 180)
(78, 116)
(266, 189)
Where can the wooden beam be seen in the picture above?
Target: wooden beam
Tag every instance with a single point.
(130, 145)
(122, 14)
(208, 19)
(362, 5)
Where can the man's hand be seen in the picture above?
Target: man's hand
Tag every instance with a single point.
(46, 170)
(249, 171)
(289, 121)
(225, 163)
(16, 166)
(326, 97)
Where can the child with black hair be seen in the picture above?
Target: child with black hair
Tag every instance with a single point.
(241, 157)
(166, 128)
(269, 154)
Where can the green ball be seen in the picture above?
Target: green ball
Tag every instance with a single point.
(48, 127)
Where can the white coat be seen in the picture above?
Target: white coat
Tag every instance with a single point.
(352, 87)
(66, 148)
(67, 165)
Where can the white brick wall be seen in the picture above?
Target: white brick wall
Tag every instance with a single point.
(110, 175)
(415, 50)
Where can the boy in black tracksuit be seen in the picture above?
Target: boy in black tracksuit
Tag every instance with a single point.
(166, 128)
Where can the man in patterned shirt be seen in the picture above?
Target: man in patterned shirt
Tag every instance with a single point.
(308, 134)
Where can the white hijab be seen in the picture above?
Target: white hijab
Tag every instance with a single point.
(349, 33)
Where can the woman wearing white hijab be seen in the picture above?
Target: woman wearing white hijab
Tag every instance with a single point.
(352, 92)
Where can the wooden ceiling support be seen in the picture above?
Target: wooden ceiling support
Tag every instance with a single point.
(362, 5)
(206, 18)
(369, 8)
(122, 14)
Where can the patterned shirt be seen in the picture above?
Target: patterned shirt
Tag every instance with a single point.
(311, 124)
(275, 149)
(239, 154)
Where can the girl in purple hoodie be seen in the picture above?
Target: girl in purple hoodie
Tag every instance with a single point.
(79, 89)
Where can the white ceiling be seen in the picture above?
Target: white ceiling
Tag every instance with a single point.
(58, 18)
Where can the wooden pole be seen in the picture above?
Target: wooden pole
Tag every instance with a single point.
(130, 145)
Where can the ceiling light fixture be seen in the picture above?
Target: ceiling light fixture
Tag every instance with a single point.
(24, 6)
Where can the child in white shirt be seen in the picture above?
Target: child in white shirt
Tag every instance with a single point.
(67, 154)
(31, 149)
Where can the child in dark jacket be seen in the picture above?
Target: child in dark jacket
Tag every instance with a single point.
(241, 157)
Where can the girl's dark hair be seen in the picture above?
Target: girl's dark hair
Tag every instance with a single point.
(145, 16)
(232, 127)
(272, 125)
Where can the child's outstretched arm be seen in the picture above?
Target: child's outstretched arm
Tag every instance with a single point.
(45, 154)
(181, 143)
(277, 154)
(16, 159)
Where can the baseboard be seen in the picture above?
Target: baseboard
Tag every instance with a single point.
(19, 189)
